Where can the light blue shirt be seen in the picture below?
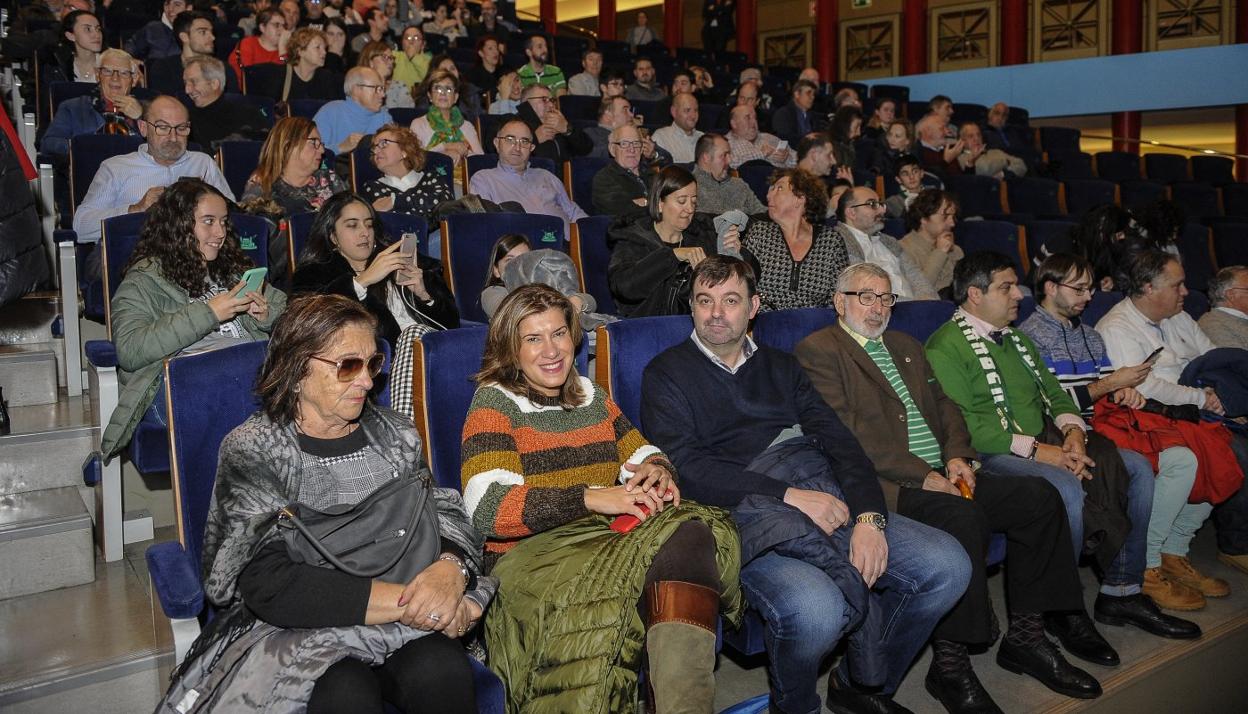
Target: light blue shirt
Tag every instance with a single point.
(536, 189)
(122, 180)
(342, 117)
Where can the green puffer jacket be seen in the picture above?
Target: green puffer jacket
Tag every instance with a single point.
(154, 319)
(563, 631)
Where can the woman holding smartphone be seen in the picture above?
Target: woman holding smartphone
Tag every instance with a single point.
(346, 256)
(182, 292)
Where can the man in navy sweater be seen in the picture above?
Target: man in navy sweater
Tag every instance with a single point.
(718, 402)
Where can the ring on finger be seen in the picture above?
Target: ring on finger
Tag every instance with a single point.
(435, 617)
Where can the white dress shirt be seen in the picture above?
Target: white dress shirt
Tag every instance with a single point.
(1130, 338)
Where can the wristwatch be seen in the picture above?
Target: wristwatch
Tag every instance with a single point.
(876, 520)
(1073, 428)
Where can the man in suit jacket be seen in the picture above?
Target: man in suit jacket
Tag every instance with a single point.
(795, 119)
(882, 387)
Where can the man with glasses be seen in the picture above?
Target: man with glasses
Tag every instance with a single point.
(718, 189)
(613, 113)
(611, 83)
(1226, 325)
(882, 387)
(929, 241)
(536, 71)
(537, 190)
(861, 215)
(111, 109)
(343, 122)
(556, 138)
(680, 138)
(621, 185)
(132, 182)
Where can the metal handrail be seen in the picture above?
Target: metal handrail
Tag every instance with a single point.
(559, 25)
(1193, 149)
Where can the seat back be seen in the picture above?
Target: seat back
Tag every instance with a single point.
(920, 318)
(208, 394)
(394, 225)
(404, 116)
(997, 236)
(481, 162)
(1071, 165)
(1195, 304)
(978, 195)
(1235, 200)
(1085, 194)
(1230, 242)
(592, 257)
(579, 107)
(896, 92)
(1137, 193)
(306, 108)
(298, 226)
(756, 175)
(709, 116)
(62, 91)
(1045, 238)
(1059, 138)
(578, 178)
(253, 236)
(1215, 170)
(238, 160)
(1118, 165)
(624, 350)
(1101, 303)
(467, 240)
(118, 237)
(965, 111)
(1037, 196)
(784, 329)
(87, 152)
(1195, 248)
(1166, 168)
(1198, 199)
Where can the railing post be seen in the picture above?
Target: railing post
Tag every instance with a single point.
(69, 318)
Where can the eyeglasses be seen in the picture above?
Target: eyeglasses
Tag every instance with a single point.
(163, 129)
(378, 88)
(110, 72)
(350, 367)
(873, 203)
(315, 142)
(381, 144)
(628, 145)
(412, 38)
(522, 141)
(1079, 289)
(545, 98)
(442, 89)
(866, 298)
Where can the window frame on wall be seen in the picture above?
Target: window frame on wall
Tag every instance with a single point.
(991, 37)
(1100, 46)
(891, 69)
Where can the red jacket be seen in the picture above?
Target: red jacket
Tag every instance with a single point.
(1218, 475)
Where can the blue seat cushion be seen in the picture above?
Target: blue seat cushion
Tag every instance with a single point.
(176, 580)
(101, 353)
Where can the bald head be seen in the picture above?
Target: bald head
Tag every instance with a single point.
(685, 112)
(998, 114)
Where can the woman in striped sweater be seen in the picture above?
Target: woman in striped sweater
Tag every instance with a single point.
(548, 462)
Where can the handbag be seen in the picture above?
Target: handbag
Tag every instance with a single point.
(391, 535)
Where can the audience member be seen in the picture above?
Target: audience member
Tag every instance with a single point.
(882, 117)
(110, 109)
(926, 481)
(895, 143)
(653, 252)
(718, 24)
(846, 97)
(1226, 325)
(443, 128)
(929, 242)
(507, 101)
(746, 95)
(845, 130)
(346, 255)
(611, 83)
(488, 68)
(536, 190)
(304, 76)
(1107, 236)
(942, 107)
(76, 57)
(530, 402)
(621, 186)
(799, 256)
(488, 24)
(977, 158)
(267, 47)
(290, 11)
(682, 83)
(934, 151)
(749, 144)
(749, 433)
(718, 190)
(291, 172)
(751, 77)
(795, 119)
(508, 249)
(446, 23)
(1076, 355)
(376, 29)
(644, 87)
(681, 136)
(405, 186)
(380, 58)
(909, 177)
(704, 86)
(215, 117)
(1023, 424)
(313, 15)
(585, 83)
(536, 71)
(556, 138)
(344, 122)
(131, 183)
(195, 38)
(181, 293)
(613, 113)
(816, 156)
(861, 215)
(640, 35)
(156, 39)
(999, 134)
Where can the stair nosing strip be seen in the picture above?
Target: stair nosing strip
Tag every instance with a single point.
(55, 434)
(27, 357)
(55, 681)
(14, 532)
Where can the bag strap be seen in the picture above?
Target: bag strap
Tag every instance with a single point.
(286, 85)
(288, 513)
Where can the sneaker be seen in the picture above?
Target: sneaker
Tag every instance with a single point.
(1181, 569)
(1170, 594)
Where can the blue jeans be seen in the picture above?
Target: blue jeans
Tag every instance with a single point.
(1126, 573)
(805, 612)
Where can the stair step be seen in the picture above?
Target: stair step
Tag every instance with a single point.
(66, 413)
(28, 373)
(48, 459)
(45, 542)
(29, 319)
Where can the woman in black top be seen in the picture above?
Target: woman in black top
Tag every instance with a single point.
(405, 186)
(304, 69)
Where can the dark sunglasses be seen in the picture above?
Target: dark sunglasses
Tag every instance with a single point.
(349, 368)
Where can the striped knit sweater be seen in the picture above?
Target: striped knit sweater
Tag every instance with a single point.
(526, 463)
(1076, 355)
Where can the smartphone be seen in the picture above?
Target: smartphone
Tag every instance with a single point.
(254, 280)
(410, 246)
(1154, 356)
(626, 522)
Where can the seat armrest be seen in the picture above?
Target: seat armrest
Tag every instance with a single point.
(176, 581)
(101, 354)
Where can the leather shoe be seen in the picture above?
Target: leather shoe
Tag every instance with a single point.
(1141, 611)
(1046, 664)
(960, 692)
(1079, 637)
(844, 699)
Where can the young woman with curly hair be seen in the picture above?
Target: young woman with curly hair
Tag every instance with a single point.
(181, 293)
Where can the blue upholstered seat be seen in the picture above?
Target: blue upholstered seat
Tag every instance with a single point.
(1194, 246)
(756, 176)
(1071, 164)
(1235, 200)
(363, 170)
(253, 236)
(898, 93)
(306, 108)
(978, 195)
(590, 252)
(1199, 200)
(1037, 196)
(579, 107)
(1085, 194)
(579, 176)
(1166, 168)
(998, 236)
(1215, 170)
(624, 350)
(467, 240)
(238, 160)
(1137, 193)
(87, 152)
(783, 329)
(1118, 165)
(1101, 303)
(1230, 242)
(1057, 138)
(1195, 304)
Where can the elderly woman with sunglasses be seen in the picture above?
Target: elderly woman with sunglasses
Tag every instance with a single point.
(444, 129)
(345, 255)
(293, 632)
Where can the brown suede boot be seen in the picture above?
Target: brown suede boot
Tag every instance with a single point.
(1180, 569)
(680, 645)
(1171, 594)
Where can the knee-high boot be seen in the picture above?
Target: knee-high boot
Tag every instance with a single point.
(680, 644)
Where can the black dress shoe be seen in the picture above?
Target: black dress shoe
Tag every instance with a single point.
(844, 699)
(960, 692)
(1079, 637)
(1141, 611)
(1046, 664)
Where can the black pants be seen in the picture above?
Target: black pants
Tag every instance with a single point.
(1040, 571)
(431, 674)
(1231, 516)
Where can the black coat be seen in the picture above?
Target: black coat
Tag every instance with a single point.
(645, 276)
(562, 146)
(23, 264)
(615, 188)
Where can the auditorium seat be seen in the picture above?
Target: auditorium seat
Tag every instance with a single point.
(1195, 303)
(998, 236)
(404, 116)
(1026, 307)
(1019, 117)
(1235, 200)
(896, 92)
(1198, 200)
(306, 108)
(1100, 304)
(964, 112)
(480, 162)
(1084, 194)
(977, 195)
(575, 106)
(709, 115)
(1040, 197)
(1166, 168)
(1059, 139)
(87, 152)
(1195, 245)
(755, 174)
(1118, 166)
(468, 238)
(626, 347)
(487, 128)
(1137, 193)
(578, 179)
(783, 329)
(237, 160)
(1230, 242)
(1045, 238)
(1215, 170)
(589, 251)
(1071, 165)
(895, 227)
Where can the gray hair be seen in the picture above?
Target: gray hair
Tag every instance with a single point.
(1218, 287)
(532, 89)
(871, 270)
(114, 53)
(616, 132)
(355, 77)
(212, 68)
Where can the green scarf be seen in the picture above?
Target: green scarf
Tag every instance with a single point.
(445, 131)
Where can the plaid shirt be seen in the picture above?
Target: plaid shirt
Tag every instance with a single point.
(743, 151)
